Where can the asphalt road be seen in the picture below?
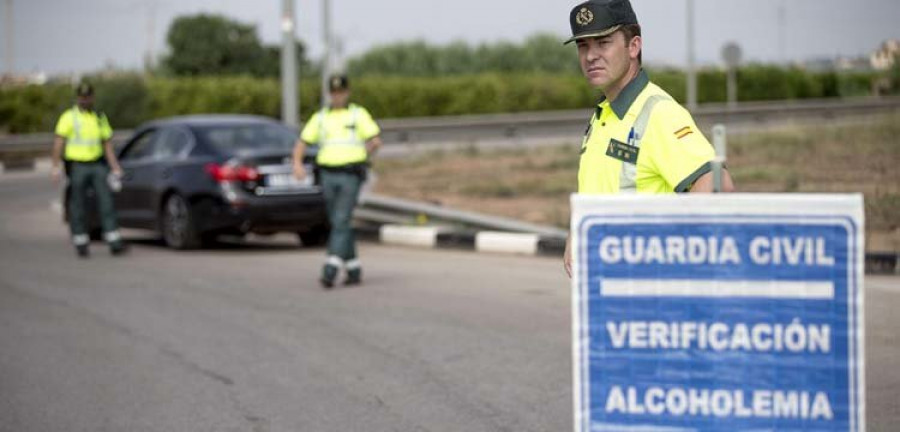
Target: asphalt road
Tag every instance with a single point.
(241, 338)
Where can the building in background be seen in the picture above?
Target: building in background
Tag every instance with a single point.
(886, 55)
(19, 80)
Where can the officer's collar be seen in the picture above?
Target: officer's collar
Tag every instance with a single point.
(334, 108)
(628, 94)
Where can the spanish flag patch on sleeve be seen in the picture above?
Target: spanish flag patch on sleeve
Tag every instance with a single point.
(683, 132)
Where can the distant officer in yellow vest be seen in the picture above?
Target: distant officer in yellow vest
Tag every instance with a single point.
(85, 135)
(639, 140)
(347, 136)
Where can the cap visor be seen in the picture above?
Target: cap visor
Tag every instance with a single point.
(601, 33)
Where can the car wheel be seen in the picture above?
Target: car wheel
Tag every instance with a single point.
(178, 224)
(210, 240)
(314, 237)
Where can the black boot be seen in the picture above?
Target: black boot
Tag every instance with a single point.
(329, 274)
(117, 248)
(354, 277)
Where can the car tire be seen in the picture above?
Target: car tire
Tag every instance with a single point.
(210, 240)
(315, 237)
(177, 224)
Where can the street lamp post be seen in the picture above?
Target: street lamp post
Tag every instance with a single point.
(326, 57)
(151, 34)
(691, 70)
(289, 105)
(10, 35)
(782, 23)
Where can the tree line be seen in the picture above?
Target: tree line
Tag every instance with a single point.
(219, 65)
(214, 45)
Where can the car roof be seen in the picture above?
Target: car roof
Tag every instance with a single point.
(201, 120)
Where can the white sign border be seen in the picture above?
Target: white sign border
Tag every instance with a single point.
(855, 293)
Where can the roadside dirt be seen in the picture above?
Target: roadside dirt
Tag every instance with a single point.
(534, 184)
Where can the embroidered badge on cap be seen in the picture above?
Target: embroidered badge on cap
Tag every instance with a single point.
(584, 17)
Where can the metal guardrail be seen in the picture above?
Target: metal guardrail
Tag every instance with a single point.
(375, 211)
(547, 124)
(571, 124)
(385, 210)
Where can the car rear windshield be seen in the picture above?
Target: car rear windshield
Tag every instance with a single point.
(248, 138)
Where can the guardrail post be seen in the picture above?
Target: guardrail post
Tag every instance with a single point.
(719, 142)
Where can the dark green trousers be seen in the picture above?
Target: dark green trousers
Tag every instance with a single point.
(341, 191)
(82, 175)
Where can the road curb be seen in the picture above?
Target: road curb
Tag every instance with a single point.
(433, 237)
(503, 242)
(42, 164)
(422, 236)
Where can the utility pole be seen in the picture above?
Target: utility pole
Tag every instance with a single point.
(151, 34)
(691, 70)
(10, 34)
(289, 105)
(782, 23)
(731, 53)
(326, 57)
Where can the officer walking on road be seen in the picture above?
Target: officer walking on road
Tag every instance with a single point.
(85, 135)
(639, 140)
(347, 137)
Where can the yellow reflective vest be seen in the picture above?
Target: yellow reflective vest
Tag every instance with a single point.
(642, 142)
(341, 135)
(85, 132)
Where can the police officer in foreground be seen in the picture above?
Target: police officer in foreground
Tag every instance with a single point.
(85, 135)
(347, 136)
(639, 139)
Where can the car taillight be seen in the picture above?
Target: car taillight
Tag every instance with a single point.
(225, 173)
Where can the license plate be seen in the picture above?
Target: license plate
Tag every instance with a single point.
(288, 181)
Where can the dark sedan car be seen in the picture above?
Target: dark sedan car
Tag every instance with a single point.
(196, 177)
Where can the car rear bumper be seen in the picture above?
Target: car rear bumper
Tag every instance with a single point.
(269, 214)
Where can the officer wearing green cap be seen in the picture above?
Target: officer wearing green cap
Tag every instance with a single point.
(83, 141)
(639, 140)
(347, 137)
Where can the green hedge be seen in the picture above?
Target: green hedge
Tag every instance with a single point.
(129, 100)
(475, 94)
(32, 108)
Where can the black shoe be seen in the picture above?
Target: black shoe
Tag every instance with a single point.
(117, 248)
(329, 273)
(354, 277)
(82, 251)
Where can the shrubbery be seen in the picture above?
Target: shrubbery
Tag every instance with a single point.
(33, 108)
(129, 100)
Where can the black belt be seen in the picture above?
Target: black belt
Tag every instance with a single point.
(350, 168)
(84, 162)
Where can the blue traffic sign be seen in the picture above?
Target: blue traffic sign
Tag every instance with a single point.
(723, 316)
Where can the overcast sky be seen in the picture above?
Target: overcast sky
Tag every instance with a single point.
(82, 35)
